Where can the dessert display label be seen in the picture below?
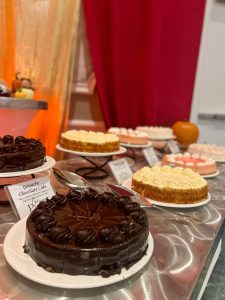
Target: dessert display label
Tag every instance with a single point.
(173, 147)
(150, 156)
(25, 196)
(120, 170)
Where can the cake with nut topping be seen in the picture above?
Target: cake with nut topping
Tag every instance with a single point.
(20, 153)
(88, 233)
(170, 185)
(89, 141)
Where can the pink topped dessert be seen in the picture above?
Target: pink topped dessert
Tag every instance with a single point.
(201, 164)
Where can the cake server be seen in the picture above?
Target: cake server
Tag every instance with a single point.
(72, 180)
(144, 203)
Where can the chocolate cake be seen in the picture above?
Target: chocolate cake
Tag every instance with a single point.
(87, 233)
(20, 154)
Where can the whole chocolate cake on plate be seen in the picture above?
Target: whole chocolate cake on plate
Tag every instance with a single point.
(20, 153)
(88, 233)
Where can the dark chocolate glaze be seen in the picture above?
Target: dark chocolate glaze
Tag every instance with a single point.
(20, 154)
(87, 233)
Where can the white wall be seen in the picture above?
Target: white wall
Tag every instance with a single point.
(208, 107)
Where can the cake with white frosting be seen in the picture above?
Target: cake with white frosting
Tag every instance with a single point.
(201, 164)
(171, 185)
(89, 141)
(129, 136)
(157, 132)
(210, 150)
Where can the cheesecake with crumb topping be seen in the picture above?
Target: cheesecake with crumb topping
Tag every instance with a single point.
(89, 141)
(171, 185)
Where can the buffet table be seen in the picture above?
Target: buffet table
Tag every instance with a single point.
(183, 251)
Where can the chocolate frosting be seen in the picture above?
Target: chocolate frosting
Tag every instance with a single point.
(86, 232)
(59, 199)
(44, 222)
(8, 139)
(85, 236)
(60, 234)
(20, 154)
(75, 195)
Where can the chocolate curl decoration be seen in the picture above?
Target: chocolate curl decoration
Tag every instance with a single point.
(90, 193)
(39, 211)
(25, 147)
(10, 149)
(129, 207)
(46, 204)
(8, 139)
(107, 198)
(138, 215)
(59, 199)
(111, 235)
(60, 235)
(123, 201)
(44, 222)
(85, 236)
(75, 195)
(1, 146)
(130, 227)
(20, 139)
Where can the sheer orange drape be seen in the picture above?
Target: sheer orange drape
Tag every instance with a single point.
(7, 41)
(44, 50)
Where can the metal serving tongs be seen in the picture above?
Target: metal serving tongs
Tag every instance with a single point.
(144, 203)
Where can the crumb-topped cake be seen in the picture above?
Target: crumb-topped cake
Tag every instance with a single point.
(157, 132)
(130, 136)
(201, 164)
(89, 141)
(210, 150)
(172, 185)
(88, 233)
(20, 153)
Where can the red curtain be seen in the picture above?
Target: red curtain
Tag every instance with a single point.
(145, 56)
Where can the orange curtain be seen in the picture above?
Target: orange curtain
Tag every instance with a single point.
(44, 50)
(7, 41)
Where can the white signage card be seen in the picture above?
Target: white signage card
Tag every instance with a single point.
(120, 170)
(25, 196)
(173, 147)
(150, 156)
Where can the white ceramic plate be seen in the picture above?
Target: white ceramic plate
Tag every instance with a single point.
(127, 184)
(24, 265)
(92, 154)
(212, 175)
(126, 145)
(50, 162)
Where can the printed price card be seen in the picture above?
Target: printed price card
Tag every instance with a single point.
(120, 170)
(173, 147)
(25, 196)
(150, 156)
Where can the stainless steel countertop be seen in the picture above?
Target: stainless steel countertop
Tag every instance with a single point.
(180, 251)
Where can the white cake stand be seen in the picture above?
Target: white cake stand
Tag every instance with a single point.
(131, 148)
(95, 171)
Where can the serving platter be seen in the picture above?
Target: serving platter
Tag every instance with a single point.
(92, 154)
(23, 264)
